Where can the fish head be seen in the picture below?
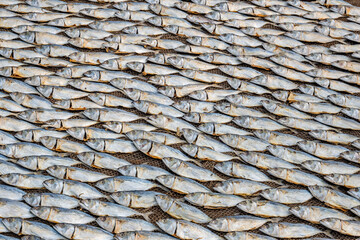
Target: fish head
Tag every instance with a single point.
(219, 224)
(136, 66)
(66, 230)
(319, 134)
(307, 89)
(263, 134)
(34, 61)
(132, 93)
(281, 95)
(130, 30)
(276, 150)
(72, 32)
(77, 132)
(123, 198)
(28, 37)
(87, 157)
(156, 8)
(192, 117)
(339, 64)
(142, 106)
(125, 15)
(106, 184)
(97, 144)
(150, 42)
(33, 81)
(236, 83)
(307, 146)
(14, 224)
(6, 52)
(64, 72)
(207, 57)
(48, 142)
(223, 107)
(355, 192)
(312, 165)
(53, 123)
(135, 134)
(107, 223)
(278, 172)
(54, 185)
(248, 205)
(157, 120)
(98, 98)
(207, 128)
(224, 187)
(189, 135)
(303, 49)
(128, 235)
(332, 223)
(93, 74)
(183, 106)
(57, 171)
(339, 9)
(322, 82)
(61, 7)
(6, 71)
(338, 99)
(337, 47)
(303, 106)
(314, 57)
(19, 29)
(114, 126)
(157, 58)
(164, 201)
(157, 21)
(26, 135)
(41, 212)
(214, 15)
(319, 192)
(30, 16)
(323, 29)
(18, 97)
(168, 225)
(11, 178)
(167, 91)
(225, 167)
(328, 22)
(172, 29)
(110, 64)
(128, 170)
(64, 104)
(221, 7)
(177, 62)
(143, 145)
(92, 113)
(33, 199)
(197, 198)
(271, 194)
(157, 79)
(166, 180)
(243, 121)
(250, 157)
(77, 57)
(338, 179)
(271, 229)
(171, 162)
(352, 112)
(190, 149)
(208, 27)
(261, 80)
(194, 40)
(30, 162)
(89, 204)
(229, 139)
(269, 105)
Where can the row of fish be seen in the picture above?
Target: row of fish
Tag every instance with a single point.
(231, 91)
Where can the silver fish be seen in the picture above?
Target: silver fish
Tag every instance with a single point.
(82, 231)
(205, 153)
(125, 183)
(274, 82)
(74, 173)
(101, 160)
(277, 138)
(264, 208)
(35, 134)
(25, 181)
(109, 100)
(180, 210)
(181, 185)
(11, 208)
(289, 230)
(159, 137)
(72, 188)
(123, 127)
(21, 149)
(142, 171)
(218, 129)
(121, 224)
(265, 161)
(110, 145)
(348, 227)
(144, 234)
(63, 145)
(25, 227)
(237, 223)
(89, 133)
(329, 167)
(136, 199)
(286, 195)
(62, 215)
(290, 155)
(50, 200)
(109, 114)
(12, 193)
(240, 187)
(258, 123)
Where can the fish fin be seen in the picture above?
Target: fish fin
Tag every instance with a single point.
(293, 131)
(216, 86)
(280, 182)
(146, 216)
(196, 162)
(328, 233)
(162, 187)
(276, 219)
(340, 41)
(284, 186)
(61, 154)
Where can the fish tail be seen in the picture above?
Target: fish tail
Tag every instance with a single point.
(276, 219)
(162, 187)
(328, 233)
(146, 216)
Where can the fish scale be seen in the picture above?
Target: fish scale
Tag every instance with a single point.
(104, 94)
